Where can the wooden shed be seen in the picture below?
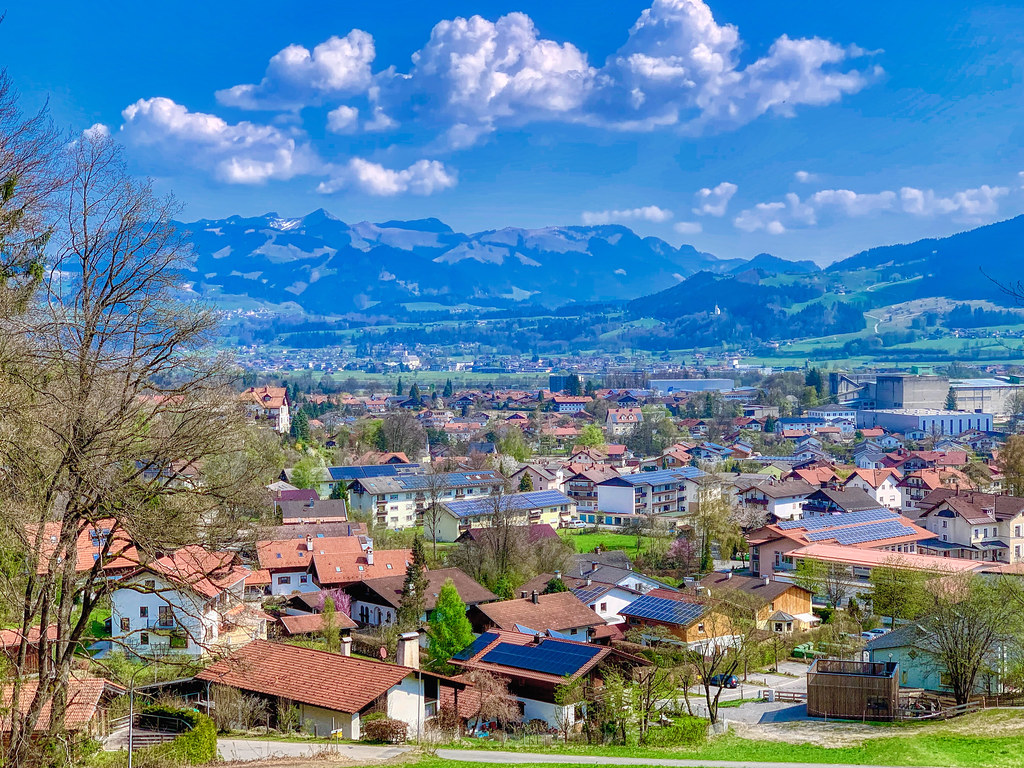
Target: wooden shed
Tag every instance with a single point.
(853, 690)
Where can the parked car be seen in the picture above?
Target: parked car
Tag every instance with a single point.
(867, 636)
(878, 632)
(575, 524)
(725, 681)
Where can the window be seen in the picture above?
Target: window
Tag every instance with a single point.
(150, 584)
(166, 618)
(304, 578)
(144, 638)
(700, 628)
(604, 606)
(126, 624)
(388, 566)
(573, 631)
(284, 579)
(143, 611)
(1016, 530)
(985, 534)
(943, 523)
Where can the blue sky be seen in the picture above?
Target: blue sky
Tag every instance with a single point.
(805, 129)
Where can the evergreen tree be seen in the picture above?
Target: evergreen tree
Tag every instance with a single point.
(300, 426)
(331, 632)
(555, 585)
(338, 491)
(525, 483)
(449, 390)
(450, 630)
(399, 389)
(412, 604)
(414, 392)
(951, 400)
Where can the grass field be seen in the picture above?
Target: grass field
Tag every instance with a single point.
(990, 739)
(588, 542)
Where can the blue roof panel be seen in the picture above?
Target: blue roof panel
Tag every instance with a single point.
(664, 610)
(515, 502)
(476, 646)
(550, 656)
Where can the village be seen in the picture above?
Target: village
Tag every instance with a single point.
(600, 568)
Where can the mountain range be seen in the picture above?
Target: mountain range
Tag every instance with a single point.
(326, 266)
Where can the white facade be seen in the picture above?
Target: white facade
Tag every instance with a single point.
(608, 605)
(887, 494)
(926, 420)
(287, 582)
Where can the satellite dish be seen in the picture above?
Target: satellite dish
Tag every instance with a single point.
(383, 652)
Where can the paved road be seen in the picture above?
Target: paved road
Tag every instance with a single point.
(487, 756)
(255, 749)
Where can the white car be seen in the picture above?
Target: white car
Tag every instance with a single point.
(575, 524)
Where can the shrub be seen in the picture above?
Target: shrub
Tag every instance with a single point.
(447, 723)
(685, 731)
(386, 731)
(197, 746)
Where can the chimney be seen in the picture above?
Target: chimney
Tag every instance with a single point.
(558, 575)
(593, 565)
(309, 543)
(409, 650)
(369, 555)
(523, 594)
(346, 645)
(535, 597)
(767, 580)
(537, 638)
(588, 581)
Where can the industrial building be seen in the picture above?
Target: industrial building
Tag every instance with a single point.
(985, 395)
(668, 386)
(929, 421)
(889, 391)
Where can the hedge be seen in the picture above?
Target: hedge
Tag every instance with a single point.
(386, 730)
(195, 747)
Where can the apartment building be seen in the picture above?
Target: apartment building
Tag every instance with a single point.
(398, 501)
(667, 492)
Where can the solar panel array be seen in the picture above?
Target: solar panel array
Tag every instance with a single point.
(551, 657)
(476, 646)
(830, 521)
(663, 476)
(872, 532)
(664, 609)
(516, 502)
(372, 470)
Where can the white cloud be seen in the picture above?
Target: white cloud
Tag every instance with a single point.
(713, 201)
(651, 213)
(296, 77)
(343, 120)
(688, 227)
(240, 153)
(792, 212)
(805, 176)
(424, 177)
(96, 131)
(983, 201)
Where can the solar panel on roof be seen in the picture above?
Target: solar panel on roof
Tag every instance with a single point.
(476, 646)
(846, 518)
(861, 533)
(549, 656)
(664, 609)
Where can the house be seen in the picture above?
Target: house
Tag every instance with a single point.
(88, 703)
(602, 569)
(570, 404)
(529, 508)
(287, 562)
(781, 606)
(606, 600)
(917, 485)
(912, 647)
(859, 562)
(333, 691)
(397, 502)
(375, 601)
(312, 511)
(798, 424)
(772, 546)
(881, 484)
(832, 501)
(693, 623)
(10, 645)
(669, 492)
(621, 421)
(782, 501)
(270, 405)
(581, 487)
(560, 612)
(533, 533)
(974, 526)
(102, 540)
(189, 602)
(536, 666)
(541, 478)
(334, 570)
(332, 476)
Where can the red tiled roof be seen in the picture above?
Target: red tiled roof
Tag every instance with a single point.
(318, 678)
(207, 573)
(84, 695)
(295, 553)
(121, 554)
(308, 623)
(346, 567)
(559, 610)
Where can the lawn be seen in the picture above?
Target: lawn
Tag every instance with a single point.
(990, 739)
(588, 542)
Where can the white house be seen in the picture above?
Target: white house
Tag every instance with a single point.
(530, 508)
(398, 502)
(881, 484)
(668, 492)
(190, 602)
(606, 600)
(268, 404)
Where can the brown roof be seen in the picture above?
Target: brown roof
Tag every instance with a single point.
(973, 505)
(783, 490)
(298, 552)
(321, 679)
(207, 573)
(84, 696)
(749, 585)
(874, 477)
(309, 623)
(558, 611)
(312, 509)
(389, 588)
(347, 567)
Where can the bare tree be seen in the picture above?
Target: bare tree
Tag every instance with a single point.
(436, 487)
(826, 579)
(731, 628)
(496, 704)
(402, 433)
(123, 423)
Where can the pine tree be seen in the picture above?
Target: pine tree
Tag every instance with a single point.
(414, 392)
(951, 400)
(525, 483)
(450, 630)
(449, 390)
(399, 389)
(300, 426)
(412, 603)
